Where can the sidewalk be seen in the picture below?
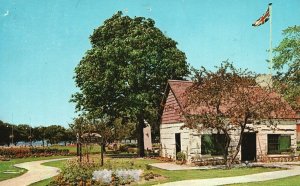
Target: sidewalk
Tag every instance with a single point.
(36, 172)
(292, 171)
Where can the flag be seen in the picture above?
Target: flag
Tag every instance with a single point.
(264, 18)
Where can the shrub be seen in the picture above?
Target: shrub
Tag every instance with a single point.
(123, 148)
(75, 172)
(150, 175)
(22, 152)
(131, 148)
(181, 156)
(148, 167)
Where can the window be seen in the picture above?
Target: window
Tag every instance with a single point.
(213, 144)
(278, 143)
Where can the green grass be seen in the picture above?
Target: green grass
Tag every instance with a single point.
(121, 163)
(203, 174)
(94, 148)
(9, 165)
(289, 181)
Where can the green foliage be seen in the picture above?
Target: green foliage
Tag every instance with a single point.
(128, 148)
(5, 132)
(213, 144)
(25, 133)
(125, 72)
(73, 173)
(150, 175)
(181, 156)
(55, 133)
(287, 64)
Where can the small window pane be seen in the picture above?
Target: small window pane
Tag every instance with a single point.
(213, 144)
(273, 144)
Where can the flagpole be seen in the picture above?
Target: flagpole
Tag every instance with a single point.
(270, 51)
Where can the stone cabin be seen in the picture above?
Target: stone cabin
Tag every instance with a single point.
(260, 141)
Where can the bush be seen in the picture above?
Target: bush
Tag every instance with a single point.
(150, 175)
(84, 173)
(181, 156)
(75, 173)
(22, 152)
(131, 148)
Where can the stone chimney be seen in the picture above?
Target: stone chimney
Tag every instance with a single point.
(264, 80)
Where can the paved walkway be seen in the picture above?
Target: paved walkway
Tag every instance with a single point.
(292, 171)
(36, 172)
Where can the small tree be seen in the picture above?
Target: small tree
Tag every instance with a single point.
(227, 100)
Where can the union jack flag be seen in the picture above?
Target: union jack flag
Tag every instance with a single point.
(264, 18)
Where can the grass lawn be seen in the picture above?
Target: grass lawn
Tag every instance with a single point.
(9, 166)
(289, 181)
(128, 163)
(202, 174)
(94, 148)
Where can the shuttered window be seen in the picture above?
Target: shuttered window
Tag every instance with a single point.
(278, 144)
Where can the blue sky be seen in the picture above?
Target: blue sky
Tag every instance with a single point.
(42, 42)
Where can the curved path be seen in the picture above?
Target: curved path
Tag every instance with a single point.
(293, 170)
(36, 172)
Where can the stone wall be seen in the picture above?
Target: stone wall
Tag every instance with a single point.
(191, 139)
(167, 139)
(284, 128)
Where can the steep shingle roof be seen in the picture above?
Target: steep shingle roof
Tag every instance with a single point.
(178, 89)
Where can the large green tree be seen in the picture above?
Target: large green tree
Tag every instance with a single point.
(287, 64)
(125, 72)
(55, 134)
(5, 132)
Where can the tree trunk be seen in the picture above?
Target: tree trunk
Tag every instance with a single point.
(102, 151)
(232, 155)
(237, 149)
(140, 136)
(103, 147)
(228, 140)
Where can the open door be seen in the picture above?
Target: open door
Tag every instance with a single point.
(177, 142)
(248, 150)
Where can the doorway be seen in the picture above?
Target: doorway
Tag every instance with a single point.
(248, 150)
(177, 142)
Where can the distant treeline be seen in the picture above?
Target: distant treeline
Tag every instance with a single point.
(53, 134)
